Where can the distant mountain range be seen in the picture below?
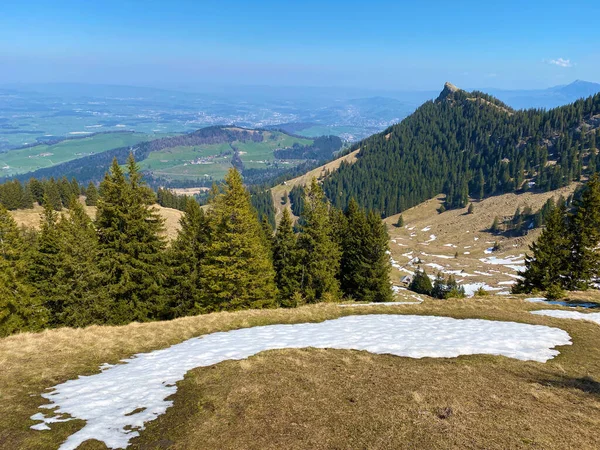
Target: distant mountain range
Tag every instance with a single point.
(546, 98)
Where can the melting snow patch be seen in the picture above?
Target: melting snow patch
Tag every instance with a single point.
(432, 238)
(507, 282)
(503, 261)
(427, 228)
(107, 401)
(488, 250)
(471, 288)
(450, 245)
(561, 314)
(466, 253)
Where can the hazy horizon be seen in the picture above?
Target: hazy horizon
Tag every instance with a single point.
(381, 45)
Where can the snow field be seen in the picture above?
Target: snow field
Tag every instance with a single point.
(106, 401)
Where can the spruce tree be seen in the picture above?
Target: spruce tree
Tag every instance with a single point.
(20, 309)
(237, 271)
(286, 260)
(80, 298)
(421, 283)
(184, 289)
(365, 264)
(91, 195)
(320, 255)
(584, 261)
(130, 246)
(549, 262)
(43, 260)
(400, 221)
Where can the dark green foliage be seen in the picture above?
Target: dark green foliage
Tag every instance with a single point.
(549, 262)
(364, 262)
(463, 144)
(297, 200)
(446, 288)
(130, 246)
(286, 261)
(471, 209)
(566, 254)
(91, 195)
(322, 149)
(237, 271)
(13, 195)
(584, 230)
(421, 283)
(262, 201)
(183, 288)
(400, 222)
(20, 309)
(52, 196)
(320, 256)
(169, 199)
(78, 298)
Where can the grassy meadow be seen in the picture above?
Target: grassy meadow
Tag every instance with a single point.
(312, 398)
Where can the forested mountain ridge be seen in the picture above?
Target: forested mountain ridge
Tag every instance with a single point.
(469, 145)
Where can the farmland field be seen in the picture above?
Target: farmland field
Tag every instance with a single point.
(28, 159)
(212, 161)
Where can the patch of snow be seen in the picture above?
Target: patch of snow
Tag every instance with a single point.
(432, 238)
(503, 261)
(450, 245)
(435, 266)
(466, 253)
(518, 277)
(488, 250)
(507, 282)
(347, 305)
(443, 256)
(516, 268)
(106, 401)
(475, 238)
(427, 228)
(471, 288)
(562, 314)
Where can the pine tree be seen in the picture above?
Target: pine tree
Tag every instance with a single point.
(286, 260)
(91, 195)
(470, 209)
(585, 235)
(237, 271)
(320, 255)
(20, 310)
(549, 261)
(495, 228)
(184, 289)
(130, 246)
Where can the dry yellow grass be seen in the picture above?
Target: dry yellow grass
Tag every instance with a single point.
(31, 217)
(467, 233)
(326, 398)
(282, 190)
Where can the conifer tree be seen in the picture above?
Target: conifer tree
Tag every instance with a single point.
(286, 260)
(365, 264)
(236, 271)
(43, 260)
(549, 261)
(584, 230)
(400, 222)
(130, 246)
(320, 255)
(52, 195)
(80, 298)
(20, 309)
(421, 283)
(184, 289)
(91, 195)
(470, 209)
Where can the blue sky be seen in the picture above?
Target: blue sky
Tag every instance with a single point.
(376, 44)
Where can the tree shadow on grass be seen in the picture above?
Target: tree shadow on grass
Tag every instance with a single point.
(584, 384)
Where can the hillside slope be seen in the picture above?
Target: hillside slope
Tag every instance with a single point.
(469, 145)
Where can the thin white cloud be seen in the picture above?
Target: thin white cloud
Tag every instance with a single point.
(561, 62)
